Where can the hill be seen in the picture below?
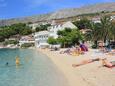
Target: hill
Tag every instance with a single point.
(64, 13)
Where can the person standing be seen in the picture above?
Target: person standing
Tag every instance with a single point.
(17, 60)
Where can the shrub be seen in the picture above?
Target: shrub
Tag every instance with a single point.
(51, 40)
(27, 45)
(11, 42)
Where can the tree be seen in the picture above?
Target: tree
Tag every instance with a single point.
(106, 26)
(37, 29)
(42, 27)
(68, 37)
(84, 23)
(20, 28)
(113, 31)
(10, 42)
(51, 40)
(101, 31)
(26, 31)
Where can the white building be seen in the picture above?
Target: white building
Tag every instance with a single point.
(112, 17)
(56, 27)
(42, 36)
(41, 39)
(96, 20)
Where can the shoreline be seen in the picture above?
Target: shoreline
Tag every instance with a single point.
(16, 48)
(67, 71)
(87, 75)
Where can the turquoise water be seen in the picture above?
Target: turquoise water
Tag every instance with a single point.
(35, 69)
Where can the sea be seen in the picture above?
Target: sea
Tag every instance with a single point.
(35, 69)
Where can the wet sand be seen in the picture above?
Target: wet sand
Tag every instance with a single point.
(92, 74)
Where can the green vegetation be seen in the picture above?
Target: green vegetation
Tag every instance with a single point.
(89, 14)
(104, 31)
(67, 37)
(84, 23)
(11, 42)
(42, 27)
(27, 45)
(20, 28)
(94, 14)
(52, 41)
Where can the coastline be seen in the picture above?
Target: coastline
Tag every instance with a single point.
(16, 48)
(63, 66)
(92, 74)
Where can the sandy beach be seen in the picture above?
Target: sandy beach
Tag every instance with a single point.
(92, 74)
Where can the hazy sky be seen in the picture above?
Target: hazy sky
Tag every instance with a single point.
(21, 8)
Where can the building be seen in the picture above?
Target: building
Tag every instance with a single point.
(42, 36)
(112, 17)
(26, 39)
(96, 20)
(41, 39)
(61, 26)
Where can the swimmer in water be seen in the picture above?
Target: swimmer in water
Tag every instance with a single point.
(17, 60)
(7, 63)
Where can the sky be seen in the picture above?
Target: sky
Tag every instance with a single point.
(21, 8)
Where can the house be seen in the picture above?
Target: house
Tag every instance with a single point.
(112, 17)
(96, 20)
(26, 39)
(14, 37)
(56, 27)
(42, 36)
(41, 39)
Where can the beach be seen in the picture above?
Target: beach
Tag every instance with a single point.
(92, 74)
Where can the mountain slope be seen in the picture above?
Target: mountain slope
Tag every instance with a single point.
(107, 7)
(64, 13)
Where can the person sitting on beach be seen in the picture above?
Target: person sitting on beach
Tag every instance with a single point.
(78, 51)
(65, 51)
(83, 47)
(70, 50)
(106, 50)
(112, 52)
(85, 62)
(108, 64)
